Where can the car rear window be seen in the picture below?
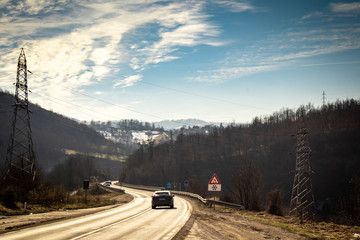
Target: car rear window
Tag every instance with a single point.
(159, 194)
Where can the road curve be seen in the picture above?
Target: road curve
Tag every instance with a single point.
(135, 220)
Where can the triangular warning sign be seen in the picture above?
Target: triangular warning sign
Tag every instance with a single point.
(214, 180)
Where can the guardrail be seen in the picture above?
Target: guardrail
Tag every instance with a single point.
(226, 204)
(187, 194)
(110, 189)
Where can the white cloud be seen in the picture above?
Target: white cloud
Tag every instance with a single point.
(229, 73)
(128, 81)
(315, 52)
(100, 56)
(98, 32)
(4, 3)
(72, 45)
(301, 41)
(100, 71)
(78, 48)
(353, 7)
(313, 15)
(181, 25)
(33, 7)
(235, 5)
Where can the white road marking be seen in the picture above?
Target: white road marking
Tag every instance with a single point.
(110, 225)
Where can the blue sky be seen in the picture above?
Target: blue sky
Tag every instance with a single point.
(215, 60)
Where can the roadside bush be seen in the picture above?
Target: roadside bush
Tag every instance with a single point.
(275, 203)
(349, 207)
(8, 196)
(247, 186)
(49, 195)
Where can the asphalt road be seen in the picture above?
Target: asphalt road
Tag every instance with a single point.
(135, 220)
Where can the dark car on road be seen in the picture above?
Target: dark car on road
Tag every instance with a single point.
(162, 198)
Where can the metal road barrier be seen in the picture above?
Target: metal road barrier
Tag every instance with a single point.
(110, 189)
(226, 204)
(187, 194)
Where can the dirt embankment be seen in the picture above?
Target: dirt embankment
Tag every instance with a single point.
(225, 223)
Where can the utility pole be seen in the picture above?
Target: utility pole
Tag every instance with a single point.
(323, 99)
(20, 158)
(302, 197)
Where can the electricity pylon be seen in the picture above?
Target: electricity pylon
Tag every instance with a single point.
(302, 197)
(20, 154)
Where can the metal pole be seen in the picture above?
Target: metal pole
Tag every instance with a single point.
(214, 202)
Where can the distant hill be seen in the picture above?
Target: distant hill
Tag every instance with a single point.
(55, 137)
(179, 123)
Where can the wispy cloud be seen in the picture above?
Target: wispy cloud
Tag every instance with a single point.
(235, 5)
(330, 63)
(94, 43)
(299, 42)
(313, 15)
(128, 81)
(225, 74)
(353, 7)
(179, 25)
(83, 46)
(79, 44)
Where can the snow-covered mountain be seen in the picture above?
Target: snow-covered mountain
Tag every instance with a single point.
(181, 123)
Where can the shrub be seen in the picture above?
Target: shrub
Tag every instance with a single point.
(275, 203)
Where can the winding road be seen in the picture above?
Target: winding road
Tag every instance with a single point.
(135, 220)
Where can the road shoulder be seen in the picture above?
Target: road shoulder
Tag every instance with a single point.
(13, 223)
(206, 223)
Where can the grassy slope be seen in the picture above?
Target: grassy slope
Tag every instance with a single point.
(309, 229)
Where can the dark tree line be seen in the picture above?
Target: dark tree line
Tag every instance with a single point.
(126, 124)
(72, 172)
(53, 188)
(268, 143)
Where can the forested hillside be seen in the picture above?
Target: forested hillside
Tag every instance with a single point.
(55, 137)
(125, 124)
(269, 144)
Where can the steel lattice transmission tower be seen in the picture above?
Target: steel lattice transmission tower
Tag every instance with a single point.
(302, 197)
(20, 155)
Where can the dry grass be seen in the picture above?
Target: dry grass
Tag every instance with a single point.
(94, 198)
(309, 229)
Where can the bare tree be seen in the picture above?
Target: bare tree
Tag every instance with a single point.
(247, 186)
(275, 203)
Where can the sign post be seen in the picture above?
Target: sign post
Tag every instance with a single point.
(186, 184)
(86, 188)
(214, 185)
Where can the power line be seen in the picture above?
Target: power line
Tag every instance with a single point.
(52, 118)
(49, 117)
(78, 107)
(117, 105)
(202, 96)
(110, 103)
